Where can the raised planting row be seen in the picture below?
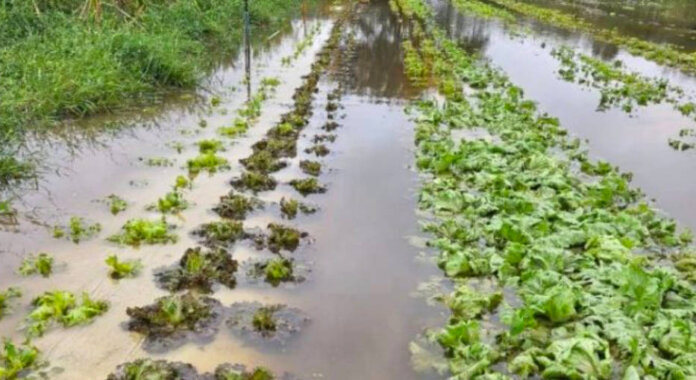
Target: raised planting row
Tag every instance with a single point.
(558, 271)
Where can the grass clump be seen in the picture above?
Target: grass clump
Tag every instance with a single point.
(255, 182)
(61, 307)
(173, 202)
(236, 206)
(78, 229)
(209, 162)
(171, 314)
(283, 237)
(116, 204)
(123, 269)
(199, 270)
(16, 361)
(239, 127)
(5, 297)
(310, 167)
(41, 264)
(307, 186)
(142, 231)
(318, 149)
(220, 234)
(326, 137)
(275, 270)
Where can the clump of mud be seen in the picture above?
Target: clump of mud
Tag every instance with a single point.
(199, 270)
(259, 323)
(174, 320)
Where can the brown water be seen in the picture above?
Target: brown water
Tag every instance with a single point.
(362, 268)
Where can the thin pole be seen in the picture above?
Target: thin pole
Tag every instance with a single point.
(247, 47)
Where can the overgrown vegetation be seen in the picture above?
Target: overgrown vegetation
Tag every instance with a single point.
(142, 231)
(41, 264)
(63, 308)
(573, 269)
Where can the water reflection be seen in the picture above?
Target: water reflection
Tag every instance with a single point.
(378, 69)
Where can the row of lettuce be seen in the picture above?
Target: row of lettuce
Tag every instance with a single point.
(560, 268)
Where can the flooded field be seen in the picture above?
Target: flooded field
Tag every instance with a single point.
(402, 189)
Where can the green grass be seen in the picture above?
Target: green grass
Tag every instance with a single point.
(57, 63)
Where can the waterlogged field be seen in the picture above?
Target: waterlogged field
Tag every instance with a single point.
(385, 189)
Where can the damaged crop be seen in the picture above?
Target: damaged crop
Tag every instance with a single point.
(63, 308)
(143, 231)
(199, 270)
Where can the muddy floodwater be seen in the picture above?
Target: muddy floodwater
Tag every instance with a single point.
(361, 261)
(361, 267)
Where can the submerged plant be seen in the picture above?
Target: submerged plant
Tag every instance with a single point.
(226, 372)
(274, 271)
(78, 229)
(307, 186)
(255, 182)
(116, 204)
(283, 237)
(209, 162)
(220, 234)
(236, 206)
(171, 314)
(310, 167)
(210, 146)
(290, 207)
(123, 269)
(240, 127)
(5, 297)
(157, 161)
(143, 231)
(318, 149)
(199, 270)
(149, 369)
(41, 264)
(172, 202)
(264, 321)
(181, 182)
(16, 360)
(263, 161)
(62, 308)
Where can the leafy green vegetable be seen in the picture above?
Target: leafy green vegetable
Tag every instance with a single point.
(16, 361)
(41, 264)
(63, 308)
(123, 269)
(139, 231)
(5, 297)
